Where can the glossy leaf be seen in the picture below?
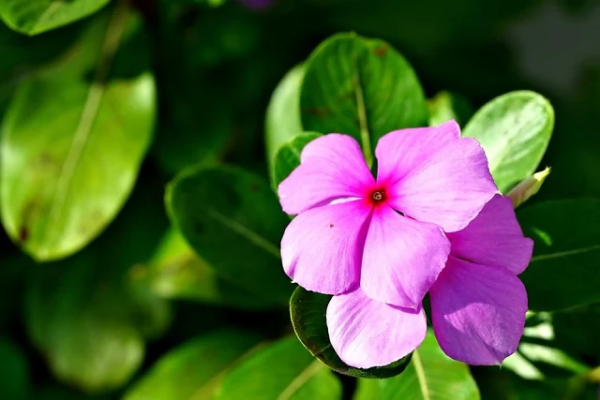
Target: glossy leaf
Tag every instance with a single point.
(193, 370)
(360, 87)
(233, 221)
(72, 148)
(14, 372)
(287, 157)
(283, 114)
(36, 16)
(307, 311)
(176, 272)
(514, 130)
(284, 371)
(446, 106)
(564, 271)
(82, 315)
(431, 375)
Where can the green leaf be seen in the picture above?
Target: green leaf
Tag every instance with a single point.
(307, 312)
(193, 370)
(283, 371)
(514, 130)
(232, 219)
(287, 157)
(72, 147)
(14, 372)
(431, 375)
(36, 16)
(539, 357)
(176, 272)
(82, 314)
(564, 271)
(360, 87)
(446, 106)
(283, 114)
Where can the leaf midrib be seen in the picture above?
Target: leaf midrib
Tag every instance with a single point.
(565, 253)
(300, 380)
(82, 132)
(420, 372)
(365, 134)
(249, 234)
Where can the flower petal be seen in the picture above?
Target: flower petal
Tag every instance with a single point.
(402, 258)
(322, 248)
(332, 167)
(435, 176)
(478, 312)
(494, 237)
(401, 151)
(366, 333)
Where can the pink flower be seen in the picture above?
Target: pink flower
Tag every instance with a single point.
(385, 236)
(380, 245)
(478, 303)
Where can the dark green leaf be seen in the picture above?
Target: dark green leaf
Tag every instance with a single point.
(564, 271)
(283, 113)
(193, 370)
(283, 371)
(14, 372)
(287, 157)
(307, 311)
(82, 314)
(538, 356)
(36, 16)
(176, 272)
(431, 375)
(446, 106)
(361, 87)
(232, 219)
(72, 148)
(514, 129)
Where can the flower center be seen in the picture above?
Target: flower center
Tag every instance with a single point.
(378, 196)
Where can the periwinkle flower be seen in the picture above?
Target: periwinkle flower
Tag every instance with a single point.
(379, 245)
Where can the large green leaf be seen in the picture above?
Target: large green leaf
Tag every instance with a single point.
(283, 114)
(84, 317)
(232, 219)
(514, 130)
(564, 271)
(283, 371)
(176, 272)
(431, 375)
(72, 148)
(361, 87)
(307, 311)
(193, 370)
(287, 157)
(14, 372)
(36, 16)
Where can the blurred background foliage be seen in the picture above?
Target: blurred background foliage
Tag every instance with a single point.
(123, 308)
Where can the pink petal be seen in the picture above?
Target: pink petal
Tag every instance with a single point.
(494, 237)
(434, 176)
(402, 258)
(366, 333)
(332, 167)
(322, 248)
(399, 152)
(478, 312)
